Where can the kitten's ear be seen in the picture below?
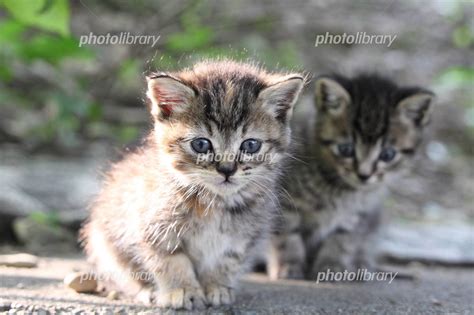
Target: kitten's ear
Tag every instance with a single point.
(279, 98)
(168, 95)
(416, 107)
(331, 96)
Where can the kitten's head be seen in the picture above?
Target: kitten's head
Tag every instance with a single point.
(368, 126)
(223, 125)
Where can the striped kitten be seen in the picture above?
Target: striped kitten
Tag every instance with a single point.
(180, 217)
(365, 132)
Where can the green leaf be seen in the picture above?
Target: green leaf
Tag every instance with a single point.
(11, 30)
(51, 218)
(94, 112)
(50, 15)
(53, 49)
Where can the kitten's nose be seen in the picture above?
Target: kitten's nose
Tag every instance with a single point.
(363, 177)
(226, 168)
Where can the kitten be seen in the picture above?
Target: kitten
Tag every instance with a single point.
(361, 134)
(179, 219)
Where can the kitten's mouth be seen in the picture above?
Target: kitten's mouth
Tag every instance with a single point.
(227, 182)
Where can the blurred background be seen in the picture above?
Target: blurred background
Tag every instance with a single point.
(66, 111)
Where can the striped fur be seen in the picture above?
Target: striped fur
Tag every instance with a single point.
(162, 213)
(334, 195)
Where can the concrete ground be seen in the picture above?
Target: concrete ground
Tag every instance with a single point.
(434, 290)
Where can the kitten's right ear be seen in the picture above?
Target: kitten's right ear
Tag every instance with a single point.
(331, 96)
(416, 106)
(168, 95)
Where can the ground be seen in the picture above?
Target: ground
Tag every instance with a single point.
(435, 290)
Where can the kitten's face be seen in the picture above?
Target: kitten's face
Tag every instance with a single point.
(223, 130)
(369, 128)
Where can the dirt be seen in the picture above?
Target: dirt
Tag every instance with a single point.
(435, 290)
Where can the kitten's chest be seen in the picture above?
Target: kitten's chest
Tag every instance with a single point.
(209, 238)
(342, 211)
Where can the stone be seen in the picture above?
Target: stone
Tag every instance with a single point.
(112, 295)
(21, 260)
(81, 282)
(39, 236)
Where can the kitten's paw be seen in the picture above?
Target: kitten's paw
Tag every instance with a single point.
(189, 298)
(144, 296)
(219, 295)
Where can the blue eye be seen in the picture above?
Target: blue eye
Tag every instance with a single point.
(250, 146)
(201, 145)
(387, 154)
(346, 149)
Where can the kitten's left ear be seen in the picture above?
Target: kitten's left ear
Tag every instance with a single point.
(417, 106)
(279, 98)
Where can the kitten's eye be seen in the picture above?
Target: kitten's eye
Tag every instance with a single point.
(250, 146)
(387, 154)
(346, 149)
(201, 145)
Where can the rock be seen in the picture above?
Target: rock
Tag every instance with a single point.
(4, 306)
(82, 282)
(21, 260)
(449, 243)
(112, 295)
(46, 183)
(15, 203)
(41, 236)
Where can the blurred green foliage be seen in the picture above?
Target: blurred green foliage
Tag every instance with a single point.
(37, 48)
(50, 15)
(49, 218)
(38, 31)
(460, 78)
(39, 58)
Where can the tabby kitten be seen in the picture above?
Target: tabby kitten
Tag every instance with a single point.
(178, 220)
(360, 135)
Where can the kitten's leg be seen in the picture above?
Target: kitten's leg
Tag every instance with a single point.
(286, 257)
(220, 282)
(287, 254)
(347, 249)
(176, 280)
(112, 270)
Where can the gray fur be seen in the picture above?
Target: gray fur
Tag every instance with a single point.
(330, 215)
(162, 213)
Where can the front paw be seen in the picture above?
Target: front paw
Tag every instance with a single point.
(219, 295)
(189, 298)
